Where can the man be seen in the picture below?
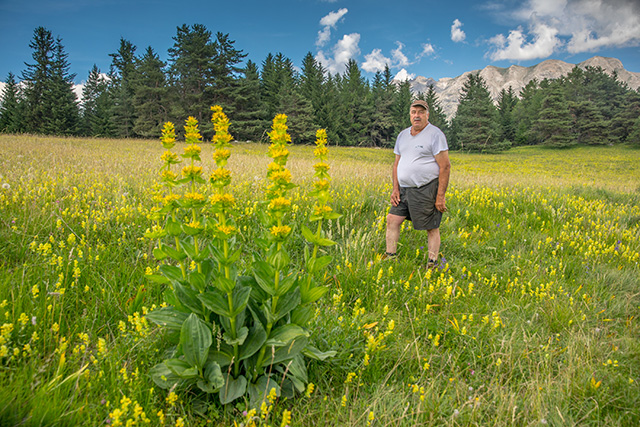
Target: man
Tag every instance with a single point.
(420, 178)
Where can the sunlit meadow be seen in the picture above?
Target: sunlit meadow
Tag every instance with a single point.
(531, 319)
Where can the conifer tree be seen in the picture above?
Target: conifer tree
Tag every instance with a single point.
(226, 68)
(437, 117)
(634, 136)
(122, 75)
(354, 95)
(526, 111)
(475, 126)
(623, 122)
(64, 118)
(150, 95)
(312, 81)
(553, 125)
(192, 71)
(507, 101)
(96, 105)
(250, 122)
(382, 124)
(590, 126)
(37, 78)
(10, 108)
(401, 105)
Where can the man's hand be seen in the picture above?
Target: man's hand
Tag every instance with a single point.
(395, 197)
(440, 204)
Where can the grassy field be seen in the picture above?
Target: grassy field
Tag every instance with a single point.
(532, 319)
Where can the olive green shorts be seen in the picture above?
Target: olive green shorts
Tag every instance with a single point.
(418, 205)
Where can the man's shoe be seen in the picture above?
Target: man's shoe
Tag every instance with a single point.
(389, 256)
(432, 264)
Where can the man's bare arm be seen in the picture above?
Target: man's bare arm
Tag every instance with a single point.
(442, 158)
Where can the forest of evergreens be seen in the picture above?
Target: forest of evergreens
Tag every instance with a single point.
(140, 92)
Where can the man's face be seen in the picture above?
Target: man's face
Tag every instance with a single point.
(419, 118)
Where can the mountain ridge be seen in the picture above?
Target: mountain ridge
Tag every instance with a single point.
(448, 89)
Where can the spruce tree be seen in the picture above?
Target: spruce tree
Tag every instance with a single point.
(192, 71)
(634, 136)
(150, 95)
(623, 122)
(354, 95)
(553, 125)
(437, 117)
(401, 105)
(476, 127)
(312, 81)
(96, 106)
(37, 79)
(64, 116)
(250, 122)
(507, 101)
(10, 108)
(590, 126)
(122, 75)
(526, 112)
(226, 68)
(382, 124)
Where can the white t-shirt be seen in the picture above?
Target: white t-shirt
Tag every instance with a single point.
(417, 165)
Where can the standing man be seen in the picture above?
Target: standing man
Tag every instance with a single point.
(420, 179)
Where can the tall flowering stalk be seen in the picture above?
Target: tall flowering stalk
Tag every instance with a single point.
(239, 334)
(321, 212)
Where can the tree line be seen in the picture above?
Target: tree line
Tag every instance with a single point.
(140, 92)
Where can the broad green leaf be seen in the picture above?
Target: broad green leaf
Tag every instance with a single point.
(318, 264)
(313, 353)
(171, 272)
(163, 376)
(187, 297)
(288, 351)
(159, 254)
(264, 275)
(197, 281)
(156, 278)
(222, 358)
(254, 342)
(324, 242)
(180, 368)
(259, 391)
(168, 317)
(224, 284)
(240, 299)
(285, 333)
(280, 260)
(188, 248)
(232, 388)
(239, 340)
(308, 234)
(195, 339)
(213, 379)
(286, 284)
(313, 294)
(215, 302)
(302, 315)
(173, 228)
(287, 303)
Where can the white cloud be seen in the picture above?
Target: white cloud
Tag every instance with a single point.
(399, 58)
(375, 61)
(328, 22)
(580, 25)
(403, 75)
(515, 47)
(457, 35)
(427, 49)
(347, 48)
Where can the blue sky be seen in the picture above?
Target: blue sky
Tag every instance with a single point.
(416, 38)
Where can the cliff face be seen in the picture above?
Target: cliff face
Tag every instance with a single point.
(448, 89)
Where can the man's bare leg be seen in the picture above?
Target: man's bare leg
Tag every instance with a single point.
(393, 232)
(433, 243)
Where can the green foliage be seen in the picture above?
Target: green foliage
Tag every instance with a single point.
(122, 88)
(10, 107)
(250, 324)
(553, 125)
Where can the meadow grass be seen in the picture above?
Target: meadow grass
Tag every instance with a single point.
(531, 319)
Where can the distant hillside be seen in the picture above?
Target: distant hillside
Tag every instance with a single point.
(448, 89)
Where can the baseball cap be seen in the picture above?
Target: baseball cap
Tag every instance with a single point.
(421, 103)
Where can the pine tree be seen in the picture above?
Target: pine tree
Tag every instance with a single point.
(526, 112)
(150, 95)
(634, 136)
(382, 124)
(10, 108)
(437, 117)
(476, 126)
(249, 122)
(553, 125)
(312, 80)
(122, 75)
(64, 116)
(96, 105)
(354, 96)
(507, 101)
(192, 71)
(37, 78)
(225, 71)
(590, 125)
(401, 105)
(623, 121)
